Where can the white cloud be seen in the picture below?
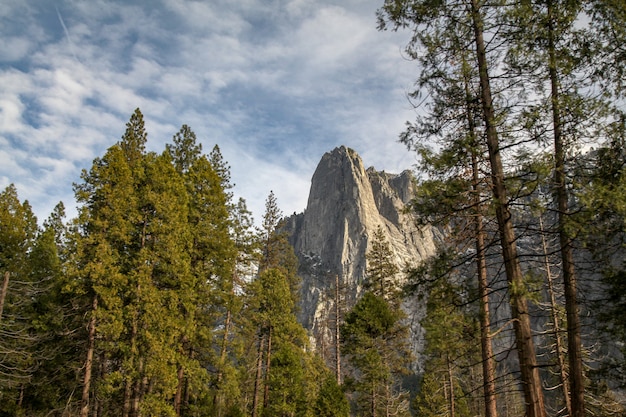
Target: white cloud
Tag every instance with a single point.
(275, 83)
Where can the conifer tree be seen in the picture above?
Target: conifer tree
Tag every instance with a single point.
(374, 340)
(450, 350)
(133, 261)
(382, 271)
(18, 233)
(331, 401)
(432, 25)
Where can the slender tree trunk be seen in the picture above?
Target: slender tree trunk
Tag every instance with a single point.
(5, 290)
(129, 382)
(102, 372)
(139, 390)
(91, 338)
(337, 332)
(451, 400)
(519, 309)
(218, 398)
(258, 377)
(489, 372)
(180, 376)
(387, 399)
(268, 360)
(178, 397)
(556, 326)
(574, 348)
(373, 402)
(127, 394)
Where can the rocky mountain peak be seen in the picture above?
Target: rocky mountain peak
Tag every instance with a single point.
(346, 204)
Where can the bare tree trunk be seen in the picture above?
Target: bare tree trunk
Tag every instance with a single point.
(387, 399)
(218, 398)
(127, 400)
(91, 338)
(337, 332)
(5, 290)
(489, 371)
(519, 309)
(451, 399)
(129, 382)
(556, 325)
(373, 401)
(574, 348)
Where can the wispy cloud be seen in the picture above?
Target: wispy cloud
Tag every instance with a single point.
(275, 83)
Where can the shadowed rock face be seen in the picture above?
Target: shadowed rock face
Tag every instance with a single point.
(346, 205)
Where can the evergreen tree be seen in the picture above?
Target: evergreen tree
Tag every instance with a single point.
(279, 381)
(374, 340)
(18, 233)
(450, 350)
(382, 272)
(276, 251)
(37, 365)
(133, 261)
(437, 27)
(331, 401)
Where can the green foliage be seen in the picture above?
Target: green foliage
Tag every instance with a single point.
(38, 350)
(331, 401)
(276, 250)
(382, 271)
(451, 349)
(159, 264)
(374, 341)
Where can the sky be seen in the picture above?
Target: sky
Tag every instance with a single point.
(274, 83)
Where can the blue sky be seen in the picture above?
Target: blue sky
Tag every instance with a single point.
(275, 83)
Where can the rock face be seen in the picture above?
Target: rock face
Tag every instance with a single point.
(347, 203)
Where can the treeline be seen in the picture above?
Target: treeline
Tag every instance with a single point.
(160, 299)
(163, 299)
(520, 134)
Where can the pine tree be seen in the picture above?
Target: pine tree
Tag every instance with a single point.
(432, 26)
(374, 341)
(382, 279)
(279, 380)
(450, 350)
(18, 361)
(133, 261)
(331, 401)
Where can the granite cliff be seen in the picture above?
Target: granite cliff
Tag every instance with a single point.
(346, 204)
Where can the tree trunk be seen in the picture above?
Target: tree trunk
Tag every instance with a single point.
(387, 399)
(337, 332)
(91, 338)
(178, 397)
(268, 359)
(556, 326)
(5, 290)
(519, 309)
(218, 398)
(489, 372)
(574, 348)
(258, 376)
(373, 402)
(127, 397)
(451, 405)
